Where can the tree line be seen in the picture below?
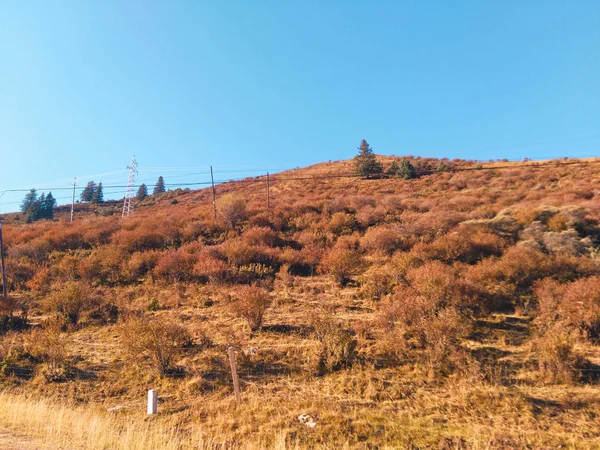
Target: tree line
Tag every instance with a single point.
(37, 207)
(159, 188)
(366, 165)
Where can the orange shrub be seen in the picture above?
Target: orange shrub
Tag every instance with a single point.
(337, 345)
(20, 273)
(251, 303)
(305, 221)
(40, 281)
(175, 265)
(68, 264)
(52, 347)
(442, 337)
(304, 262)
(65, 238)
(210, 268)
(575, 304)
(430, 224)
(241, 253)
(36, 250)
(157, 344)
(342, 264)
(70, 301)
(369, 216)
(435, 281)
(465, 245)
(261, 236)
(99, 232)
(232, 210)
(160, 232)
(521, 266)
(315, 237)
(556, 357)
(103, 265)
(382, 239)
(377, 283)
(558, 222)
(141, 263)
(138, 240)
(402, 262)
(261, 219)
(342, 223)
(415, 327)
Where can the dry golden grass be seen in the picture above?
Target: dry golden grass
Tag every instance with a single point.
(365, 406)
(468, 415)
(84, 427)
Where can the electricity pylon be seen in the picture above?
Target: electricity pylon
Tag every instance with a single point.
(127, 204)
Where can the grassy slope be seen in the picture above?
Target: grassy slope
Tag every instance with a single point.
(375, 403)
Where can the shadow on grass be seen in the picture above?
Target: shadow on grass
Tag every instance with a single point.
(300, 330)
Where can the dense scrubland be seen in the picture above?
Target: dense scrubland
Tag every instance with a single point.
(457, 309)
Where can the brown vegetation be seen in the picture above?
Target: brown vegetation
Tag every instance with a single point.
(401, 313)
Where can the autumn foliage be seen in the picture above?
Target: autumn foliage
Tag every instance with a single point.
(344, 285)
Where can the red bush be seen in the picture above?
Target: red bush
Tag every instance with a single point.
(251, 303)
(175, 265)
(383, 239)
(342, 264)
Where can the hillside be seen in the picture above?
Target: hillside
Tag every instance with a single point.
(458, 309)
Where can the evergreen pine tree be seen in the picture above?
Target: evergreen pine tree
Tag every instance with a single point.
(442, 167)
(36, 208)
(160, 186)
(365, 163)
(407, 170)
(394, 169)
(47, 206)
(29, 199)
(142, 192)
(88, 192)
(98, 195)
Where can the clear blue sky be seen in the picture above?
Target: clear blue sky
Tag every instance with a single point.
(251, 86)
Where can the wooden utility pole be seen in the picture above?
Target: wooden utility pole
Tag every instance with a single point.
(268, 192)
(234, 375)
(4, 285)
(214, 192)
(73, 202)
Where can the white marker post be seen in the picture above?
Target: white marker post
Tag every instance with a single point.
(152, 402)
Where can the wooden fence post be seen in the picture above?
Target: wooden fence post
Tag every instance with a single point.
(234, 375)
(152, 402)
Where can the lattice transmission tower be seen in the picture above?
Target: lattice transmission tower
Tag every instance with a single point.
(127, 204)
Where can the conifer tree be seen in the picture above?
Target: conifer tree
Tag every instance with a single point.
(98, 195)
(30, 198)
(142, 192)
(88, 192)
(47, 206)
(365, 163)
(160, 186)
(41, 207)
(406, 170)
(35, 210)
(394, 169)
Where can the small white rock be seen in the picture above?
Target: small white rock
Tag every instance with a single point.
(307, 420)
